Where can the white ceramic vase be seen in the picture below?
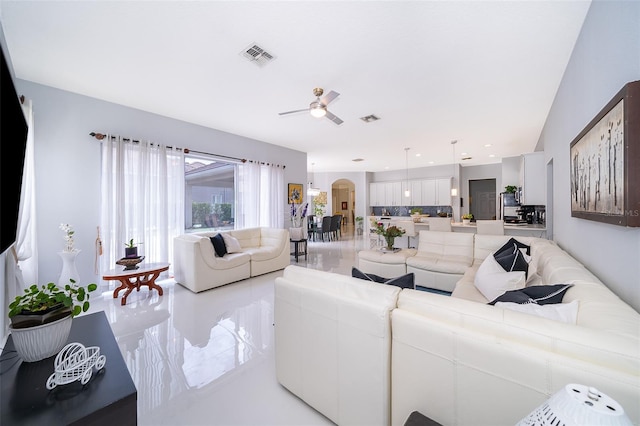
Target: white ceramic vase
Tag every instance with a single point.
(296, 234)
(69, 270)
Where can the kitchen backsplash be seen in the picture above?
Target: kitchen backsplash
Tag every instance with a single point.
(405, 210)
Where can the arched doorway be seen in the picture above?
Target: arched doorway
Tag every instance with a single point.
(343, 197)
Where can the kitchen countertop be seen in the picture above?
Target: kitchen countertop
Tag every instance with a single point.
(461, 226)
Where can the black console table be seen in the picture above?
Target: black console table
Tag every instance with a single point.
(109, 398)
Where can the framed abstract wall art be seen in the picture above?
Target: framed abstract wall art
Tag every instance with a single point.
(605, 163)
(295, 194)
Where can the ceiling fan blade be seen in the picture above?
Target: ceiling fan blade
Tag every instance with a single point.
(291, 112)
(329, 97)
(333, 118)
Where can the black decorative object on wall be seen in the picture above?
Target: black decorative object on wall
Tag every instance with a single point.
(604, 160)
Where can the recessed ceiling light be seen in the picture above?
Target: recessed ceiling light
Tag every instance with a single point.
(355, 160)
(418, 155)
(463, 153)
(386, 167)
(430, 162)
(491, 155)
(487, 145)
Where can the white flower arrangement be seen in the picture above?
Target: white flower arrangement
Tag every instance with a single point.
(68, 237)
(298, 214)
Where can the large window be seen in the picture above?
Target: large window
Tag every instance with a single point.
(210, 201)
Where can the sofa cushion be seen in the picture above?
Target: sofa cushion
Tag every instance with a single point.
(231, 243)
(403, 281)
(564, 312)
(218, 245)
(492, 281)
(450, 264)
(514, 261)
(512, 244)
(511, 257)
(539, 294)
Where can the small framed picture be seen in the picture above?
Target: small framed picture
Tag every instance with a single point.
(295, 193)
(344, 205)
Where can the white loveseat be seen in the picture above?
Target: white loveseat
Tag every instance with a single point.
(198, 268)
(461, 361)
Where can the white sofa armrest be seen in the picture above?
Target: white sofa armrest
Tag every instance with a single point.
(333, 340)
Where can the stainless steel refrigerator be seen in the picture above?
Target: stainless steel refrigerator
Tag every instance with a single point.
(509, 207)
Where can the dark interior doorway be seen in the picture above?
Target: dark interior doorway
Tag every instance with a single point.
(482, 199)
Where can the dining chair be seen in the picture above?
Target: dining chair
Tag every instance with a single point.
(325, 228)
(311, 227)
(440, 224)
(336, 221)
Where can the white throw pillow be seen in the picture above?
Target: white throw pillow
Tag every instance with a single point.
(492, 280)
(564, 312)
(232, 243)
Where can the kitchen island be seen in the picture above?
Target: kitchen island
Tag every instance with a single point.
(522, 230)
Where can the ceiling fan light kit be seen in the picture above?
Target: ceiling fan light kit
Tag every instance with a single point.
(318, 108)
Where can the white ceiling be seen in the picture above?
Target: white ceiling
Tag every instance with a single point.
(478, 72)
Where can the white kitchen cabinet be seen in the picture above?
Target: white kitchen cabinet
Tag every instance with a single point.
(428, 191)
(533, 179)
(424, 192)
(396, 196)
(376, 194)
(415, 186)
(443, 192)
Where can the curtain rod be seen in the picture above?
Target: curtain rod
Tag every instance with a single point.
(101, 136)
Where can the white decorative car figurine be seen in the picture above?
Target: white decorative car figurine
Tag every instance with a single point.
(75, 362)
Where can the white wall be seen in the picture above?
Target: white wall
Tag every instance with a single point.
(606, 56)
(68, 163)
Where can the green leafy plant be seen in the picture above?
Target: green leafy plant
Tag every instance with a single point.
(37, 300)
(130, 244)
(416, 210)
(510, 189)
(359, 219)
(468, 216)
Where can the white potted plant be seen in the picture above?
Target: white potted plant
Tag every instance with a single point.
(466, 218)
(41, 317)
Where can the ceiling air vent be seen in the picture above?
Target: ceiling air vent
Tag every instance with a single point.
(369, 118)
(357, 160)
(257, 55)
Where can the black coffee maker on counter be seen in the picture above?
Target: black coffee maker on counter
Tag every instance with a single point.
(532, 214)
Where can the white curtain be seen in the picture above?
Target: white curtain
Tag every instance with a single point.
(26, 243)
(20, 267)
(261, 198)
(142, 197)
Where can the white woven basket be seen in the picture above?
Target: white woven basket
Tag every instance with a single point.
(40, 342)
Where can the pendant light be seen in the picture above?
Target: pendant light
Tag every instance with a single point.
(407, 193)
(314, 192)
(454, 189)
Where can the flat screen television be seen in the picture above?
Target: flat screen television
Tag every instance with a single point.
(13, 142)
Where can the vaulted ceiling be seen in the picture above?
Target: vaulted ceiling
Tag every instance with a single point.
(484, 73)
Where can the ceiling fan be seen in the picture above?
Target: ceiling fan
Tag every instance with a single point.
(318, 108)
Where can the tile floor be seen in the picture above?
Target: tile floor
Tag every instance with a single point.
(208, 358)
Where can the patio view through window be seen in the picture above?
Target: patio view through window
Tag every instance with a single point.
(209, 193)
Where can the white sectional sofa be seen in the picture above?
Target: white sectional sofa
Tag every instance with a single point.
(333, 340)
(442, 258)
(198, 268)
(457, 359)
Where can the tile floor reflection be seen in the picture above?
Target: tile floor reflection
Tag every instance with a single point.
(208, 358)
